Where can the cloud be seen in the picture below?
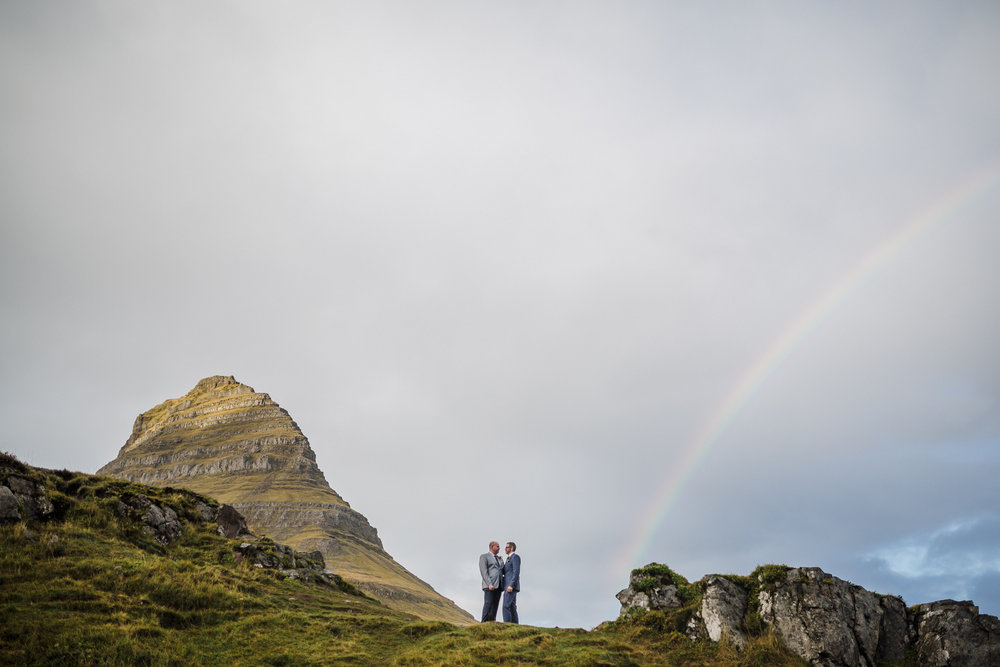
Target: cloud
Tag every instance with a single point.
(450, 237)
(960, 558)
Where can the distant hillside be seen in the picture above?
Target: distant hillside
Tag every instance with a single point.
(98, 571)
(227, 441)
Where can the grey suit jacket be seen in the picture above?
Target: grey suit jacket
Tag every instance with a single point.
(489, 567)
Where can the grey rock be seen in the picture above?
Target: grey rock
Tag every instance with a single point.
(207, 512)
(160, 522)
(955, 634)
(33, 501)
(658, 598)
(10, 509)
(894, 636)
(273, 556)
(640, 596)
(20, 486)
(723, 608)
(231, 523)
(828, 621)
(831, 622)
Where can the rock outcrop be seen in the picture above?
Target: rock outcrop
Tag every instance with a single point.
(21, 497)
(723, 608)
(163, 524)
(267, 554)
(159, 521)
(227, 441)
(650, 587)
(829, 621)
(954, 633)
(825, 620)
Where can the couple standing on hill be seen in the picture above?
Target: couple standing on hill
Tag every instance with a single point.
(500, 575)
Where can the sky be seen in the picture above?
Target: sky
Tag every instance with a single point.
(706, 284)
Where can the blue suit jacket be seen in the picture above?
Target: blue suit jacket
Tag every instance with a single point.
(512, 572)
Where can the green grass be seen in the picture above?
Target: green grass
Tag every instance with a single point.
(662, 633)
(88, 587)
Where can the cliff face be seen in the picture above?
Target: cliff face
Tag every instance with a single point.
(825, 620)
(224, 440)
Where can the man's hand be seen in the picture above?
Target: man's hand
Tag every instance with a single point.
(491, 587)
(510, 589)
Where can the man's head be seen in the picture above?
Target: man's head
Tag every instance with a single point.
(510, 548)
(494, 548)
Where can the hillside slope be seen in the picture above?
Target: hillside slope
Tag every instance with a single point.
(227, 441)
(97, 571)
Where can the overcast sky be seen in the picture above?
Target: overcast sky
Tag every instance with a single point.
(504, 262)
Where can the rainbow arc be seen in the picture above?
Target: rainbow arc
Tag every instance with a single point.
(945, 208)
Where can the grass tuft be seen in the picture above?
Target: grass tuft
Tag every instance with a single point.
(8, 460)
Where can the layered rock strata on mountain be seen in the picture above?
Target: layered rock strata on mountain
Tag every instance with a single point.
(825, 620)
(225, 440)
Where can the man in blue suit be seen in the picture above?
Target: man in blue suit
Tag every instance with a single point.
(512, 580)
(491, 570)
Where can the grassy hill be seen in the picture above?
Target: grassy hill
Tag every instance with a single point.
(86, 584)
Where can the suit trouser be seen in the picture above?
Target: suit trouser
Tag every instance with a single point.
(491, 603)
(510, 607)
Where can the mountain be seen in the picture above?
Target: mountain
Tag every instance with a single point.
(227, 441)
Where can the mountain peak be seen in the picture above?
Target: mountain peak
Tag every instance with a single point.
(225, 440)
(220, 383)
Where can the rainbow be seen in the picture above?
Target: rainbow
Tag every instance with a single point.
(944, 208)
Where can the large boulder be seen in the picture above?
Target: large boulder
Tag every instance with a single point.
(723, 609)
(955, 634)
(650, 588)
(831, 622)
(231, 523)
(30, 497)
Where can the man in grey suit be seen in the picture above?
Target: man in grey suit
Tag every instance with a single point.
(512, 580)
(491, 568)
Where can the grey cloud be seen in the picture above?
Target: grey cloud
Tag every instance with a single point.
(959, 560)
(449, 235)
